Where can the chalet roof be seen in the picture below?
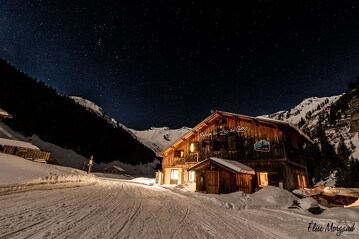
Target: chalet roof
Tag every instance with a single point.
(17, 143)
(4, 114)
(217, 113)
(117, 167)
(231, 165)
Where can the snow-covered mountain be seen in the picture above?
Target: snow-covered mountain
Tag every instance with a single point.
(89, 105)
(311, 111)
(308, 108)
(158, 139)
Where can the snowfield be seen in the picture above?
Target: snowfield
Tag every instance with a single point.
(48, 201)
(121, 209)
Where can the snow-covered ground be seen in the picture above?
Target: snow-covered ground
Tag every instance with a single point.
(103, 207)
(119, 209)
(18, 174)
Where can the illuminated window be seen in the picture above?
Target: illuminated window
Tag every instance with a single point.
(174, 176)
(305, 185)
(263, 179)
(194, 147)
(299, 181)
(191, 175)
(179, 154)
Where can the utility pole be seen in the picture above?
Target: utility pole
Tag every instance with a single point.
(90, 164)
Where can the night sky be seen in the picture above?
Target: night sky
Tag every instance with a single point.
(161, 63)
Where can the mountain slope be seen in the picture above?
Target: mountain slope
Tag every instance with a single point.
(39, 109)
(309, 108)
(311, 111)
(158, 139)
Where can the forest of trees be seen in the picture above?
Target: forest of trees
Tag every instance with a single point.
(39, 109)
(322, 158)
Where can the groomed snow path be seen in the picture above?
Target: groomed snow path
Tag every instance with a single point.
(116, 209)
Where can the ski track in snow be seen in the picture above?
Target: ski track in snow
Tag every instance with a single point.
(118, 209)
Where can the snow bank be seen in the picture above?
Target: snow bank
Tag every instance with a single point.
(268, 197)
(340, 213)
(300, 192)
(271, 197)
(146, 181)
(308, 203)
(112, 176)
(17, 173)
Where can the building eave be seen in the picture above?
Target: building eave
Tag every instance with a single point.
(213, 116)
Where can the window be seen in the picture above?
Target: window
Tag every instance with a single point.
(216, 145)
(232, 143)
(179, 154)
(194, 147)
(191, 175)
(305, 185)
(174, 176)
(299, 182)
(263, 179)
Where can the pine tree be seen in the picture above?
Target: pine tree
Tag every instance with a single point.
(301, 122)
(353, 177)
(329, 160)
(313, 156)
(343, 170)
(333, 114)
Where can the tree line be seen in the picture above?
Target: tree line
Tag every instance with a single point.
(322, 158)
(38, 109)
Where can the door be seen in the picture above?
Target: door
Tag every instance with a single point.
(174, 176)
(212, 181)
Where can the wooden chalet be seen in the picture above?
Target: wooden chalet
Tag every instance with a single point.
(229, 152)
(25, 150)
(114, 170)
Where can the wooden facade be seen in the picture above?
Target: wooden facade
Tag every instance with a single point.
(274, 149)
(35, 155)
(214, 175)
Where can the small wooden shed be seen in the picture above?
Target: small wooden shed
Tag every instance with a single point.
(25, 150)
(114, 170)
(216, 175)
(4, 114)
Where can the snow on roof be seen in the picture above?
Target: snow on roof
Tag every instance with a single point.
(117, 167)
(4, 114)
(17, 143)
(230, 164)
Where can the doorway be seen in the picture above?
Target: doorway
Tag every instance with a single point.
(212, 181)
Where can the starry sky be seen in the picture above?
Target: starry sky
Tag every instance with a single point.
(168, 63)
